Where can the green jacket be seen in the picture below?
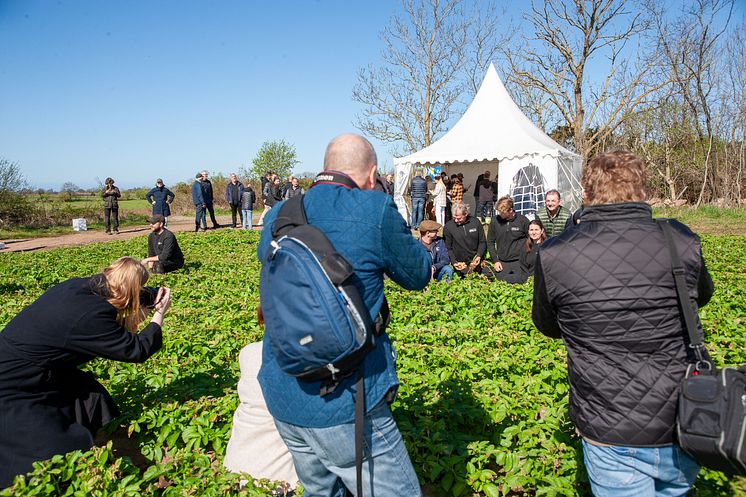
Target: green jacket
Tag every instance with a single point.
(554, 225)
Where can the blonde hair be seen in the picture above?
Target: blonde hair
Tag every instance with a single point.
(124, 278)
(504, 204)
(614, 177)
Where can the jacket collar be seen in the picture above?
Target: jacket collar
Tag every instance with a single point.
(626, 210)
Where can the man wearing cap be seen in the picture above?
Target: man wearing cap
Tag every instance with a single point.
(436, 247)
(160, 198)
(164, 254)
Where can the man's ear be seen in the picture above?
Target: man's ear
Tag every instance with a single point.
(372, 174)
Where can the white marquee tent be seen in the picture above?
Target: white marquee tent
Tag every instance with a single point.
(494, 135)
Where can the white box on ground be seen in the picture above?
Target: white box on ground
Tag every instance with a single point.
(79, 224)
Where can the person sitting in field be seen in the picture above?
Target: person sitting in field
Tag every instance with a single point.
(464, 236)
(506, 238)
(164, 254)
(48, 405)
(255, 447)
(436, 247)
(536, 236)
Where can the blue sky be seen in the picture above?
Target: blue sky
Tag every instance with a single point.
(141, 89)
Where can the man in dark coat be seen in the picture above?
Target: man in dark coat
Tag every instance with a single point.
(111, 197)
(208, 197)
(465, 242)
(164, 253)
(606, 288)
(161, 198)
(506, 237)
(233, 193)
(198, 199)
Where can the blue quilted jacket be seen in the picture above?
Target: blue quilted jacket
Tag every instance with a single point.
(366, 228)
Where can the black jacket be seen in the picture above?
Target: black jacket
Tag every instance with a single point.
(167, 249)
(606, 288)
(466, 241)
(207, 193)
(506, 239)
(41, 387)
(528, 259)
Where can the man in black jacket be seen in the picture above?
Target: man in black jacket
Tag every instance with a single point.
(208, 196)
(606, 288)
(506, 237)
(464, 236)
(164, 253)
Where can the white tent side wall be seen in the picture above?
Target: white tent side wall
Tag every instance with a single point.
(402, 179)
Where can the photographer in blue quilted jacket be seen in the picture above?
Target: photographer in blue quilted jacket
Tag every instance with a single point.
(367, 230)
(605, 286)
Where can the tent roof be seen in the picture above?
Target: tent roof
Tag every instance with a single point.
(492, 128)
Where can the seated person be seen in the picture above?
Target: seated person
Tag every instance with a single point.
(255, 447)
(506, 238)
(536, 236)
(441, 267)
(164, 254)
(464, 236)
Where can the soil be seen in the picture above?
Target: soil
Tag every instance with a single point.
(80, 238)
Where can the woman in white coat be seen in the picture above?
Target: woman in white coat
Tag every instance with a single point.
(439, 200)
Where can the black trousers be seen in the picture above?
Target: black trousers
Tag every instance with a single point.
(236, 208)
(107, 217)
(211, 210)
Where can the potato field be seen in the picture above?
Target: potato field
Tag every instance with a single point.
(483, 398)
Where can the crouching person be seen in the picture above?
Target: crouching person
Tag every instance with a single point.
(164, 253)
(255, 447)
(436, 247)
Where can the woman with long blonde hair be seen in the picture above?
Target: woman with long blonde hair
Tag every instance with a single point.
(48, 405)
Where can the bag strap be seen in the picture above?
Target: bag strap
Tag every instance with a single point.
(696, 337)
(359, 430)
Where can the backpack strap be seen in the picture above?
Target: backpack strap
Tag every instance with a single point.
(696, 338)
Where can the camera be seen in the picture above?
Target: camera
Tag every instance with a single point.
(148, 295)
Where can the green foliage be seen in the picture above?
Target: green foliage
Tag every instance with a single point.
(482, 404)
(276, 155)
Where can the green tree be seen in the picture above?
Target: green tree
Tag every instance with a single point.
(13, 204)
(276, 155)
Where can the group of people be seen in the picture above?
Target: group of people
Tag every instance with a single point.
(604, 285)
(275, 191)
(511, 240)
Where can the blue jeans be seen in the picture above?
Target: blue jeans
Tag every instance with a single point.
(324, 458)
(246, 221)
(418, 211)
(445, 273)
(616, 471)
(200, 217)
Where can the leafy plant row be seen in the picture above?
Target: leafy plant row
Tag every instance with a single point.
(482, 404)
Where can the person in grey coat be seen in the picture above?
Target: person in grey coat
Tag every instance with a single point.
(111, 197)
(160, 198)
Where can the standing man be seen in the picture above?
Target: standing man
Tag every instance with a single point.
(111, 197)
(366, 228)
(207, 195)
(464, 237)
(553, 216)
(506, 237)
(164, 254)
(294, 189)
(606, 288)
(233, 192)
(419, 194)
(198, 199)
(161, 198)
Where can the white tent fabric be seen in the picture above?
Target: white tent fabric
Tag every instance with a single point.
(493, 131)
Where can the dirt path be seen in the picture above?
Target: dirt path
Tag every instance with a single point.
(80, 238)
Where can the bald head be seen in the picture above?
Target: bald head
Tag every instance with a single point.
(354, 155)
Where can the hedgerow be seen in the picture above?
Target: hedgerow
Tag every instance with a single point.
(482, 405)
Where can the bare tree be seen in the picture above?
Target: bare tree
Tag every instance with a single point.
(569, 36)
(691, 45)
(432, 58)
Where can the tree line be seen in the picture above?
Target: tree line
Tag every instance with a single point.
(665, 79)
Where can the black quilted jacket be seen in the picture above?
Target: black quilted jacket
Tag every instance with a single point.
(605, 287)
